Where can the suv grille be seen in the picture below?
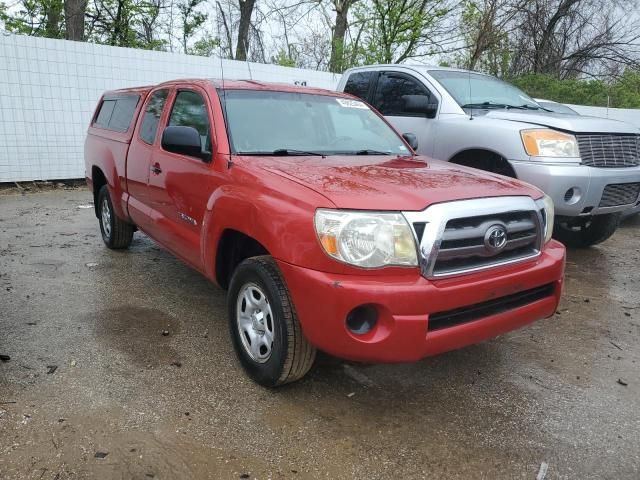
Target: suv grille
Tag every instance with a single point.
(620, 194)
(609, 150)
(466, 244)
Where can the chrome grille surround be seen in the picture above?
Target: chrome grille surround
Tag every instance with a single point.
(609, 150)
(489, 211)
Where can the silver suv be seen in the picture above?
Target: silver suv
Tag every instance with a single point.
(589, 166)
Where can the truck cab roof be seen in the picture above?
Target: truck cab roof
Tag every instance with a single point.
(232, 84)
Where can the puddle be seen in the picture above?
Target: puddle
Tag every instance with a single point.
(138, 332)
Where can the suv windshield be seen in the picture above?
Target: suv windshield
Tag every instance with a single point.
(284, 123)
(477, 90)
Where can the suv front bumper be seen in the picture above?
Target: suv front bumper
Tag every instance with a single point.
(405, 302)
(588, 184)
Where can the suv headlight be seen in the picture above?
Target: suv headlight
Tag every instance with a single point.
(544, 142)
(366, 239)
(545, 204)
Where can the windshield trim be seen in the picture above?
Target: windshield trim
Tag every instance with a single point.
(479, 74)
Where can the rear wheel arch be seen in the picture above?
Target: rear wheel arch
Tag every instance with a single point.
(484, 159)
(98, 180)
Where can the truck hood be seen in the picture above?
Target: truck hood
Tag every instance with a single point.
(391, 183)
(570, 123)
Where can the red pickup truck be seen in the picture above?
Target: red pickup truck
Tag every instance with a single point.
(325, 227)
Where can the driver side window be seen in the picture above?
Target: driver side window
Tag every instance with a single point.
(392, 87)
(190, 110)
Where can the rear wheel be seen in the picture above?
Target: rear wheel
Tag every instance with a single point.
(582, 232)
(116, 233)
(264, 326)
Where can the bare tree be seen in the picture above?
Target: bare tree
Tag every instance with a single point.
(74, 13)
(487, 25)
(339, 30)
(571, 38)
(246, 10)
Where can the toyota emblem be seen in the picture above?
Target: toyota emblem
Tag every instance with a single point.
(495, 238)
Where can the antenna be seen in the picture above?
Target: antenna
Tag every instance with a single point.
(246, 59)
(224, 103)
(470, 96)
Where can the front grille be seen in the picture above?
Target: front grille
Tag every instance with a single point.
(450, 318)
(620, 194)
(464, 246)
(609, 150)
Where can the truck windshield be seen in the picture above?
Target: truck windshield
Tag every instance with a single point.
(473, 90)
(285, 123)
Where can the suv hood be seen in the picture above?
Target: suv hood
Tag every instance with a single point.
(391, 183)
(570, 123)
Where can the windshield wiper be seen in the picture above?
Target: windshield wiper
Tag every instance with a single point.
(506, 106)
(485, 105)
(369, 151)
(536, 107)
(281, 152)
(293, 151)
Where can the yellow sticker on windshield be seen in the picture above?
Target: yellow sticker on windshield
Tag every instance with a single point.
(345, 102)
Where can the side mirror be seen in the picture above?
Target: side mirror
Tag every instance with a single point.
(419, 104)
(185, 141)
(411, 139)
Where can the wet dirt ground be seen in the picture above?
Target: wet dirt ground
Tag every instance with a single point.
(93, 389)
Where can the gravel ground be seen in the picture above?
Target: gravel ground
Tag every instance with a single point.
(93, 389)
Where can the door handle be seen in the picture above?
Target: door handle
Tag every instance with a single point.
(155, 168)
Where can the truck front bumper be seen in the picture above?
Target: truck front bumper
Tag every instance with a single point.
(481, 306)
(577, 189)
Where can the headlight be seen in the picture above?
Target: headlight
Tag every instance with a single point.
(366, 239)
(548, 212)
(549, 143)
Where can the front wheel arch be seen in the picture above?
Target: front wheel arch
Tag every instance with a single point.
(485, 160)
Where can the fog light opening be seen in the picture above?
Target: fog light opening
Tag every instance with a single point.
(572, 196)
(362, 319)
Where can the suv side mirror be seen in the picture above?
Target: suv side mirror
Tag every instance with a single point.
(185, 141)
(411, 139)
(419, 104)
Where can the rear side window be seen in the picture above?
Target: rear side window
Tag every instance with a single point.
(151, 117)
(116, 113)
(189, 110)
(358, 84)
(104, 115)
(390, 90)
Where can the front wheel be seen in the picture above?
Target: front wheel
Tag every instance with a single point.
(583, 232)
(264, 326)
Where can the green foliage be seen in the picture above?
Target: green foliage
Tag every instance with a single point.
(284, 59)
(206, 46)
(623, 92)
(488, 43)
(192, 20)
(39, 18)
(392, 31)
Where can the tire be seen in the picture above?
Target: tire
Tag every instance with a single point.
(116, 233)
(587, 232)
(268, 319)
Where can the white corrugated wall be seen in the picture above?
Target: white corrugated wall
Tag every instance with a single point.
(628, 115)
(49, 89)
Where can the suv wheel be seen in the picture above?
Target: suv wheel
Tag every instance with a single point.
(116, 233)
(584, 232)
(264, 326)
